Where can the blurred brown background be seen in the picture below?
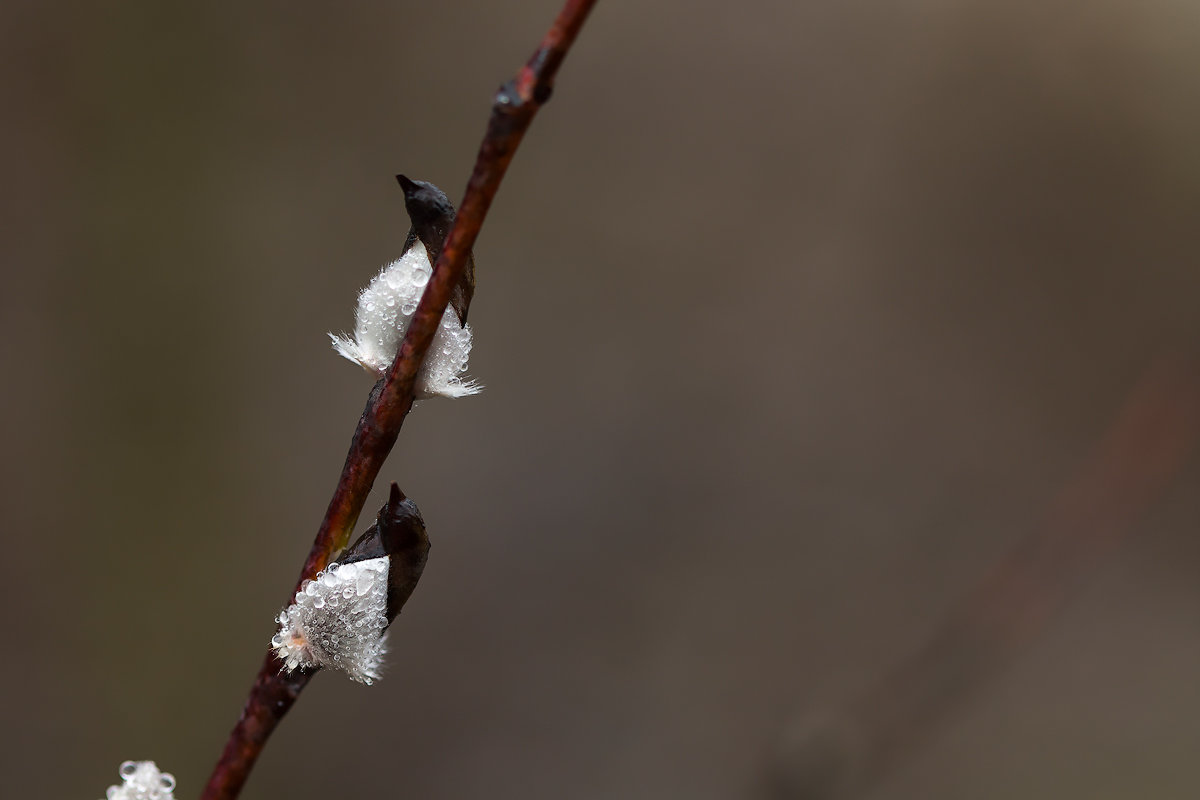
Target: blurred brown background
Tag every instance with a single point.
(793, 317)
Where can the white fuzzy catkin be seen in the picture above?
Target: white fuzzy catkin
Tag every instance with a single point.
(386, 307)
(141, 780)
(338, 621)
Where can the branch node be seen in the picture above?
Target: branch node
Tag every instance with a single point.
(508, 97)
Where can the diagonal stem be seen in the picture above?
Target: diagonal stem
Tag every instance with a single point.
(513, 109)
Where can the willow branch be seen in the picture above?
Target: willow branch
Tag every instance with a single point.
(513, 109)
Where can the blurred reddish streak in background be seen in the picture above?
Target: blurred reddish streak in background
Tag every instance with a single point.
(1149, 442)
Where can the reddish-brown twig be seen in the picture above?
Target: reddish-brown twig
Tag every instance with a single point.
(273, 692)
(1150, 441)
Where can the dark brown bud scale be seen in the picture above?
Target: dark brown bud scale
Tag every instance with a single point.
(399, 534)
(432, 216)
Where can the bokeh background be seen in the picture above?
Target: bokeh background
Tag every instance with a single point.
(794, 319)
